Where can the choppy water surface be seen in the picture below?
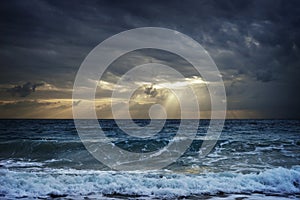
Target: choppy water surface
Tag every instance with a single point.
(253, 159)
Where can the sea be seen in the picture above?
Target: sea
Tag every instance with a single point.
(252, 159)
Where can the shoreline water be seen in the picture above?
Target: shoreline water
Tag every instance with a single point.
(256, 159)
(37, 182)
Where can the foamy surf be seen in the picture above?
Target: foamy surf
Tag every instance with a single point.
(253, 159)
(46, 182)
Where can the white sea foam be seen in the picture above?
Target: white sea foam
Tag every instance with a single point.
(252, 197)
(85, 182)
(20, 163)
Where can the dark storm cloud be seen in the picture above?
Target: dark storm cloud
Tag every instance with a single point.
(76, 103)
(255, 44)
(56, 35)
(150, 91)
(24, 90)
(144, 56)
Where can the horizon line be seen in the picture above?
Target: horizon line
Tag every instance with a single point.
(149, 119)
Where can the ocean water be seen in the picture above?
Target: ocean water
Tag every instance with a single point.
(253, 159)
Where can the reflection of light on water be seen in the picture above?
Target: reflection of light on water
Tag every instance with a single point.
(195, 169)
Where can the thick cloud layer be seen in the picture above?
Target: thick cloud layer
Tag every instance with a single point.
(24, 90)
(255, 44)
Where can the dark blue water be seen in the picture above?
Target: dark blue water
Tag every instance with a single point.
(255, 159)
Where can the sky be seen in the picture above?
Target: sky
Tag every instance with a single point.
(255, 45)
